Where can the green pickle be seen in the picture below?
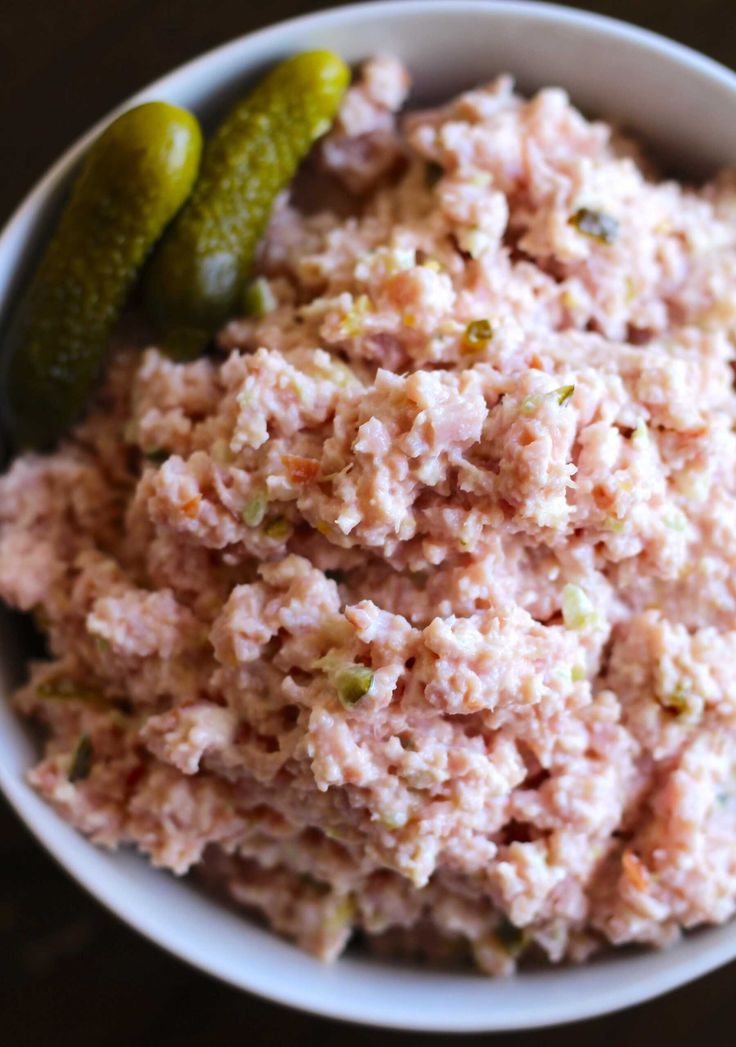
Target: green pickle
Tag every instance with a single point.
(134, 179)
(199, 272)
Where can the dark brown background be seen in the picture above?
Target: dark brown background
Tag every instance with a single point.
(72, 973)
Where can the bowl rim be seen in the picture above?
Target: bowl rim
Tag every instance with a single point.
(33, 813)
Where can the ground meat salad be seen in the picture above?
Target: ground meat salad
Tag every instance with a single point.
(412, 612)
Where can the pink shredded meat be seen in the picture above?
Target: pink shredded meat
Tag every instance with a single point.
(388, 619)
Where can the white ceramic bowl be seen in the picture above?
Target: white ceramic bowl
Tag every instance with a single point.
(681, 103)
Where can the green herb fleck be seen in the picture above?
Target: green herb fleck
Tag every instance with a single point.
(156, 457)
(353, 682)
(578, 611)
(221, 452)
(312, 884)
(395, 820)
(328, 662)
(676, 702)
(475, 242)
(67, 689)
(531, 403)
(676, 521)
(563, 394)
(477, 334)
(336, 575)
(341, 915)
(354, 321)
(81, 761)
(255, 509)
(578, 673)
(596, 224)
(513, 939)
(278, 528)
(434, 264)
(640, 435)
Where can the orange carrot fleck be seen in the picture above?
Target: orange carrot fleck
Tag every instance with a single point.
(300, 470)
(635, 870)
(191, 507)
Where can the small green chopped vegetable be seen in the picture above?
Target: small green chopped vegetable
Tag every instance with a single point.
(398, 259)
(156, 457)
(640, 435)
(333, 833)
(481, 179)
(255, 509)
(578, 673)
(259, 298)
(564, 393)
(278, 528)
(337, 372)
(67, 689)
(311, 883)
(353, 323)
(596, 224)
(395, 820)
(477, 334)
(353, 682)
(328, 663)
(81, 761)
(475, 242)
(301, 387)
(676, 701)
(220, 452)
(434, 264)
(512, 938)
(694, 483)
(578, 611)
(676, 520)
(531, 403)
(341, 915)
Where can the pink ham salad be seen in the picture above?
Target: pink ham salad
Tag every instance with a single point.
(411, 612)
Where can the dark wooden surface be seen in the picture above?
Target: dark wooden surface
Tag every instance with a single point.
(71, 973)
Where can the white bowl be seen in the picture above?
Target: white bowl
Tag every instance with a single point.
(681, 103)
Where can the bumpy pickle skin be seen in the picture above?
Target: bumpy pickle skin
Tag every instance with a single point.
(134, 179)
(199, 272)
